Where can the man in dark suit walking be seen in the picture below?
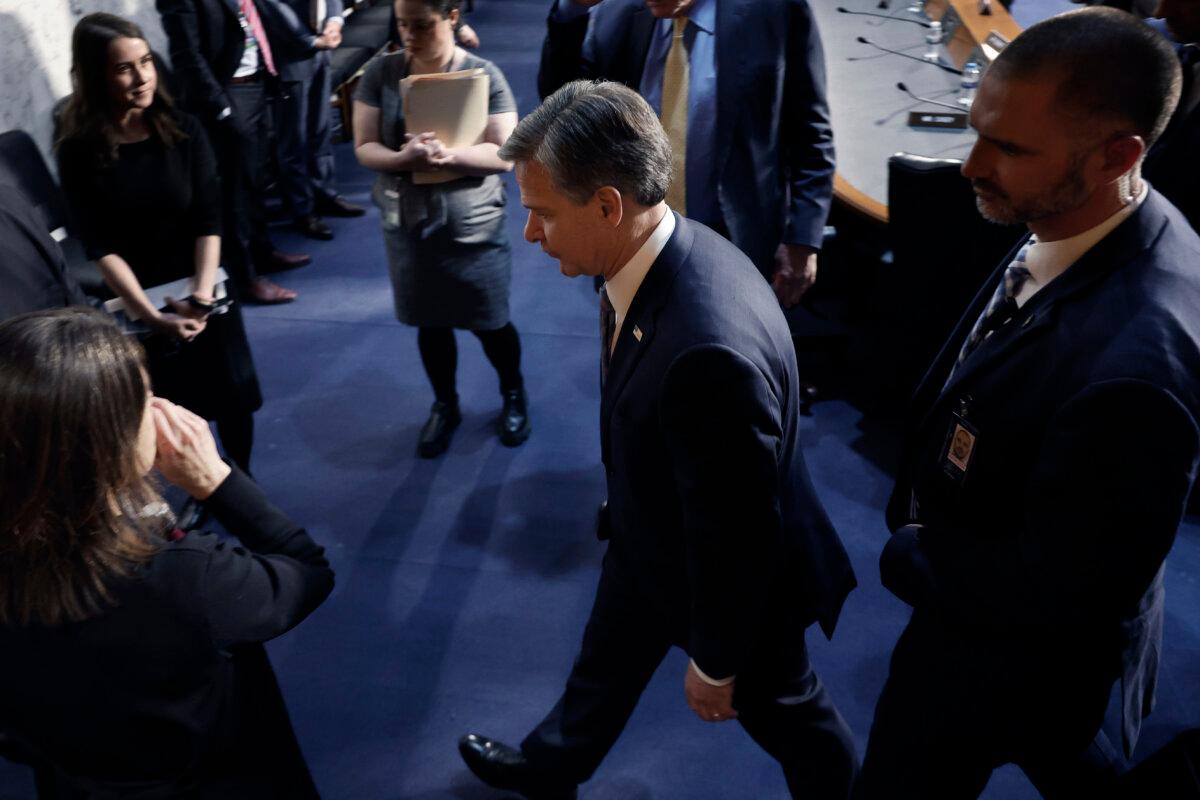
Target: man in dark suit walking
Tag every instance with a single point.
(740, 88)
(223, 65)
(1054, 441)
(302, 34)
(718, 543)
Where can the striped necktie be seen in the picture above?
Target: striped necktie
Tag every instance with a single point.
(1000, 308)
(674, 116)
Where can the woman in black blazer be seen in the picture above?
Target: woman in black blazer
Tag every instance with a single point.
(133, 664)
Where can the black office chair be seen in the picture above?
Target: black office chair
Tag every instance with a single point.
(942, 252)
(22, 165)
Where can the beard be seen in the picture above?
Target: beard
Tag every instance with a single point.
(1068, 194)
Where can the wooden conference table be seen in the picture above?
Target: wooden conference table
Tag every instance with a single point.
(870, 115)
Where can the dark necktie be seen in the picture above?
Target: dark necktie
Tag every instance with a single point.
(608, 324)
(999, 309)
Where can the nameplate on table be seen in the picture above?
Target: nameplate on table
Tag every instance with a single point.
(948, 120)
(993, 45)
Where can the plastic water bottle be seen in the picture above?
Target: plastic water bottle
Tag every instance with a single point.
(933, 38)
(969, 85)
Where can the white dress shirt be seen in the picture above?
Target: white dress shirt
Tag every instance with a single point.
(624, 285)
(1047, 260)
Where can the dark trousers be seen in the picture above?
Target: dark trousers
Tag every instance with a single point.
(780, 701)
(958, 704)
(240, 142)
(304, 140)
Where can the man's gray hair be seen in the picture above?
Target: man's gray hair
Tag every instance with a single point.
(591, 134)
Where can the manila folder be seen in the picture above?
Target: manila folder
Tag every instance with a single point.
(453, 105)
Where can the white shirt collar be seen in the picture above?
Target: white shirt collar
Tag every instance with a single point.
(625, 284)
(1047, 260)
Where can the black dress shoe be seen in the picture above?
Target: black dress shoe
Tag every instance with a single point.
(504, 767)
(514, 419)
(438, 429)
(278, 262)
(337, 206)
(312, 227)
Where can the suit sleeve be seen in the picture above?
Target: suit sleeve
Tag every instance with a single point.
(562, 51)
(183, 35)
(1113, 476)
(722, 424)
(807, 135)
(275, 578)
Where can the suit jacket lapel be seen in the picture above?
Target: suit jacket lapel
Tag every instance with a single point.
(641, 32)
(1118, 248)
(642, 316)
(232, 6)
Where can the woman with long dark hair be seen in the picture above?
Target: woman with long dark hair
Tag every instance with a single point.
(447, 247)
(132, 665)
(142, 183)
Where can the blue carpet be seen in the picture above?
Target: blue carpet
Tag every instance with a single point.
(464, 583)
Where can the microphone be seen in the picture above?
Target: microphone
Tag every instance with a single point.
(909, 92)
(922, 23)
(937, 64)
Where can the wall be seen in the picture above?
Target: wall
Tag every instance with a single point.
(35, 57)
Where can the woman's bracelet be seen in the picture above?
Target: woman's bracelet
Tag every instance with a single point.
(199, 305)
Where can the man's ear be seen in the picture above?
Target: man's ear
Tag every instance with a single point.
(609, 202)
(1122, 154)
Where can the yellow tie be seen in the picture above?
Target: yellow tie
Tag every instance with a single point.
(674, 115)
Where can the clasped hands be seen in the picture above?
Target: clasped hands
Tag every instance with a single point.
(424, 152)
(330, 38)
(184, 321)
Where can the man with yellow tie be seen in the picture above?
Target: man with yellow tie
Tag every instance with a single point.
(739, 86)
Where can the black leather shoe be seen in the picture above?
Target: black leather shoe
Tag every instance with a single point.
(514, 419)
(337, 206)
(438, 429)
(312, 227)
(504, 767)
(278, 262)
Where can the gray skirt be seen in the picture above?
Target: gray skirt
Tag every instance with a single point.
(448, 251)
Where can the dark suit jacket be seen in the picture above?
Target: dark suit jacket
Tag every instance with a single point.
(159, 691)
(1085, 407)
(292, 35)
(206, 45)
(1172, 165)
(32, 269)
(711, 507)
(774, 140)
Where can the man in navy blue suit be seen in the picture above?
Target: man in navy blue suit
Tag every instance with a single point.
(754, 141)
(717, 541)
(1054, 441)
(302, 34)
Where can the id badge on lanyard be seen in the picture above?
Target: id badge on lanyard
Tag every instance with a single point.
(962, 441)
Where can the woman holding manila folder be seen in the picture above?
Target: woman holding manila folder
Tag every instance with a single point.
(442, 204)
